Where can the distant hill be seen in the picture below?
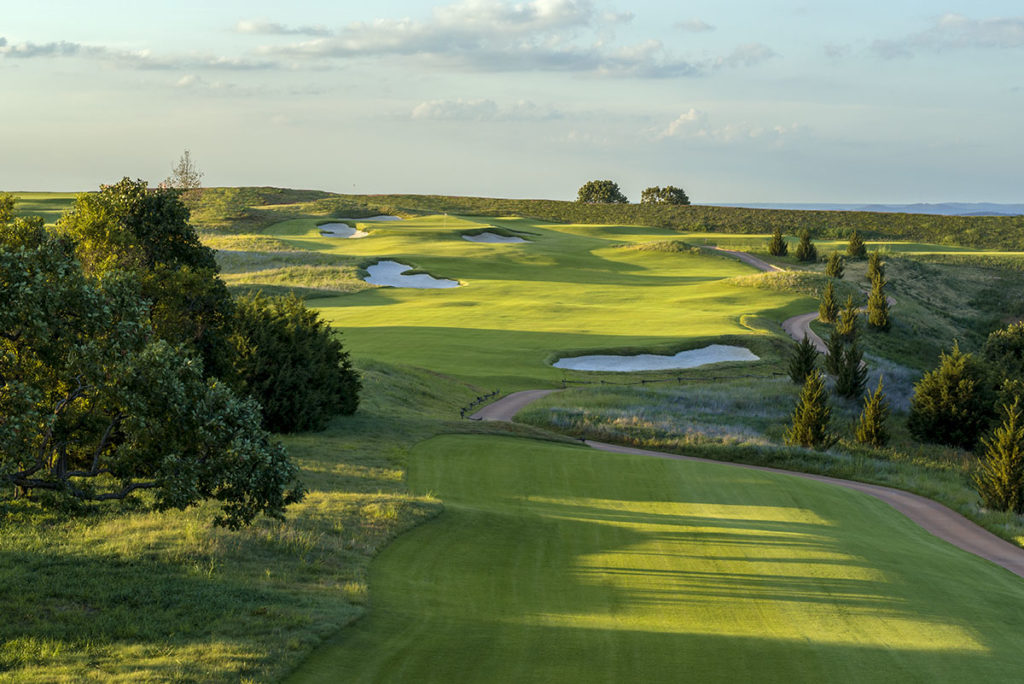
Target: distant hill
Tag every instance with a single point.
(941, 209)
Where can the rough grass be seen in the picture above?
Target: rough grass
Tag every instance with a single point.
(562, 564)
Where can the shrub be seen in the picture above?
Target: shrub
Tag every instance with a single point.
(871, 424)
(292, 362)
(951, 404)
(828, 309)
(803, 360)
(834, 267)
(1000, 477)
(777, 246)
(856, 248)
(875, 267)
(811, 416)
(878, 305)
(852, 373)
(806, 251)
(846, 326)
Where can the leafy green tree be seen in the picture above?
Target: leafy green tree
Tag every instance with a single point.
(856, 248)
(94, 407)
(601, 192)
(878, 305)
(834, 267)
(852, 373)
(805, 250)
(666, 195)
(828, 309)
(871, 427)
(1004, 351)
(293, 363)
(811, 416)
(777, 246)
(875, 267)
(1000, 477)
(802, 361)
(953, 403)
(846, 326)
(125, 227)
(6, 208)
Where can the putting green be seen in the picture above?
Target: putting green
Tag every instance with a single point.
(555, 563)
(570, 290)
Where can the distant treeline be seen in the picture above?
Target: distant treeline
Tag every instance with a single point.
(985, 232)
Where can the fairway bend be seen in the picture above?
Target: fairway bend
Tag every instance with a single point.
(943, 522)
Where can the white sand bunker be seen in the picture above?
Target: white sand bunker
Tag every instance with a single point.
(390, 273)
(715, 353)
(340, 230)
(492, 238)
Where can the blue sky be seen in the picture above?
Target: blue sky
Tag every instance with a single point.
(734, 101)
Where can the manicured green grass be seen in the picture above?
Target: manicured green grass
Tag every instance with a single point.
(49, 205)
(570, 290)
(562, 564)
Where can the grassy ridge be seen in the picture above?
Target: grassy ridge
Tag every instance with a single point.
(561, 564)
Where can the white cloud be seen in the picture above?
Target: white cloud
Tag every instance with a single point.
(696, 125)
(483, 110)
(694, 26)
(955, 32)
(135, 59)
(747, 55)
(269, 28)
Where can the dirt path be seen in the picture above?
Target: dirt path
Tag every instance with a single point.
(937, 519)
(749, 259)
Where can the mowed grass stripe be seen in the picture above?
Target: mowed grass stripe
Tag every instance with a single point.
(561, 564)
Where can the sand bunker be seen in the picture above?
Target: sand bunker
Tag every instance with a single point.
(492, 238)
(715, 353)
(390, 273)
(340, 230)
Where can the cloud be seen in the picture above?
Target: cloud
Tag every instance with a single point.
(747, 55)
(956, 32)
(268, 28)
(134, 59)
(835, 50)
(483, 110)
(696, 125)
(694, 26)
(495, 36)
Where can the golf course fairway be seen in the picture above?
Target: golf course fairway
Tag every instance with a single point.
(557, 563)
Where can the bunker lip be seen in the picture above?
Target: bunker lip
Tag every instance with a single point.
(389, 273)
(691, 358)
(340, 230)
(487, 237)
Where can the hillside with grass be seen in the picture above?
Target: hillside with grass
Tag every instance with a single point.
(430, 547)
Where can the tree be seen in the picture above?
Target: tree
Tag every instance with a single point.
(878, 305)
(871, 424)
(851, 374)
(6, 208)
(835, 350)
(951, 404)
(834, 266)
(777, 246)
(94, 407)
(828, 309)
(293, 363)
(1004, 352)
(875, 266)
(856, 249)
(666, 195)
(811, 416)
(1000, 477)
(601, 192)
(185, 175)
(125, 227)
(802, 361)
(806, 251)
(846, 326)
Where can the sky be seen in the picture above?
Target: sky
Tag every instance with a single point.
(732, 100)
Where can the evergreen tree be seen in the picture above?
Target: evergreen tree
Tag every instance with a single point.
(1000, 478)
(806, 251)
(856, 248)
(811, 416)
(875, 266)
(878, 305)
(801, 363)
(853, 374)
(834, 266)
(829, 307)
(847, 324)
(871, 425)
(777, 246)
(952, 404)
(835, 347)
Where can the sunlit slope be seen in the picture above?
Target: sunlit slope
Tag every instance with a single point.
(561, 564)
(570, 289)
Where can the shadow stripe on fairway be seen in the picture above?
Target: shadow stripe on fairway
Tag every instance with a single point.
(943, 522)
